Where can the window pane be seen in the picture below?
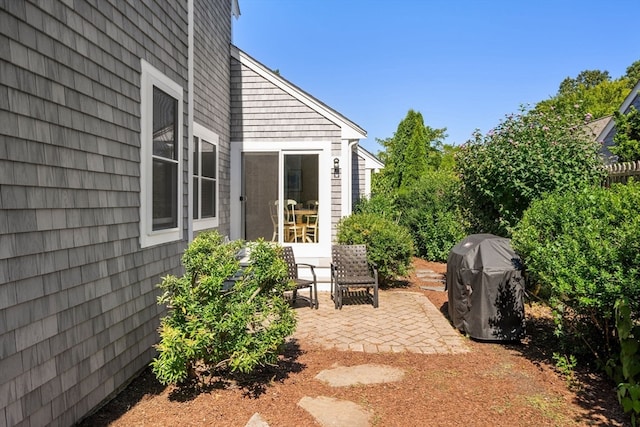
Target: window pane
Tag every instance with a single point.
(165, 195)
(208, 198)
(196, 155)
(165, 119)
(208, 160)
(196, 208)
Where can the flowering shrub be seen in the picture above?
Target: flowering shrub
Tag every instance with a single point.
(525, 156)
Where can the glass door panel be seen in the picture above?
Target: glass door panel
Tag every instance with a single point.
(301, 198)
(260, 172)
(292, 219)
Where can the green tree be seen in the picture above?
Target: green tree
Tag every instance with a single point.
(527, 155)
(586, 78)
(627, 137)
(633, 74)
(408, 153)
(598, 100)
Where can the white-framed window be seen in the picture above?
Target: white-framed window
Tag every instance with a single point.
(161, 144)
(205, 178)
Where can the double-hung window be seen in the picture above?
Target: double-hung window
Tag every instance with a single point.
(205, 178)
(161, 120)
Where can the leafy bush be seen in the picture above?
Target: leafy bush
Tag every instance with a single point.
(430, 212)
(526, 156)
(383, 205)
(583, 249)
(626, 369)
(240, 328)
(389, 245)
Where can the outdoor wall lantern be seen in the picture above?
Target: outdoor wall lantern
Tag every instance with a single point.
(336, 167)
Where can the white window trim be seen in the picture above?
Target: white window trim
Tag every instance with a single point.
(150, 77)
(201, 133)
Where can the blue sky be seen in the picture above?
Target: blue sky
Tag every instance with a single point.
(463, 64)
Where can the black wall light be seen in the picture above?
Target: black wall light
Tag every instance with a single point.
(336, 167)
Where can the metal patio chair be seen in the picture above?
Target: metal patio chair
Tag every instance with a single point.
(292, 268)
(350, 270)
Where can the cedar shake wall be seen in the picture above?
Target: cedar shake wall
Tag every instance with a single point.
(78, 312)
(261, 111)
(212, 38)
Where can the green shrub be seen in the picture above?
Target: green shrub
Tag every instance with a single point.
(583, 249)
(389, 245)
(240, 328)
(430, 212)
(383, 205)
(526, 156)
(626, 369)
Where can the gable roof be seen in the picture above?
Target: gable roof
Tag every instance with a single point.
(628, 101)
(350, 130)
(370, 161)
(597, 126)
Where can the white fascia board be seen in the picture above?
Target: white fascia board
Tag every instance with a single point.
(370, 161)
(349, 130)
(623, 108)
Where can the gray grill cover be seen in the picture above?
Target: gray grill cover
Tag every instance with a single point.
(486, 288)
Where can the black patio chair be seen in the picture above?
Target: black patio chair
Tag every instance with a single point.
(349, 270)
(292, 267)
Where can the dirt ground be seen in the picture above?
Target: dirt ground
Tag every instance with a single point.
(493, 385)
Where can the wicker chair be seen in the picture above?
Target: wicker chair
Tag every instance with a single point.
(350, 269)
(292, 267)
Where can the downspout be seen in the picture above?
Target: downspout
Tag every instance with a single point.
(190, 52)
(349, 211)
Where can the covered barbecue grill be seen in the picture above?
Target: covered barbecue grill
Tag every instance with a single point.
(486, 288)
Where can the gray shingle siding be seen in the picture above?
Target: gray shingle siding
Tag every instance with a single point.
(78, 312)
(261, 111)
(212, 37)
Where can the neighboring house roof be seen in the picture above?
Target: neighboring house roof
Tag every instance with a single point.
(624, 108)
(350, 130)
(598, 125)
(370, 161)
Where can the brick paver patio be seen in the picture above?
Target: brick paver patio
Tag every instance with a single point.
(404, 322)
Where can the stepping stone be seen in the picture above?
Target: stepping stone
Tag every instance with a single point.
(360, 374)
(330, 412)
(430, 276)
(256, 421)
(434, 280)
(433, 288)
